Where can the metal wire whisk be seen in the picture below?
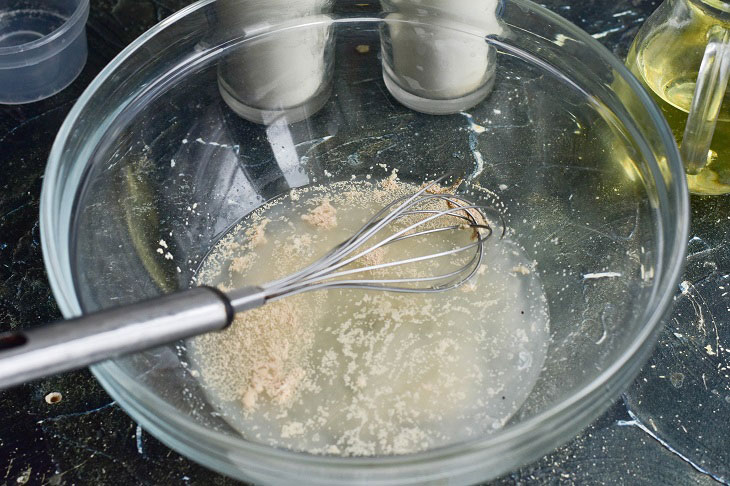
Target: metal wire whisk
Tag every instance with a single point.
(330, 272)
(42, 351)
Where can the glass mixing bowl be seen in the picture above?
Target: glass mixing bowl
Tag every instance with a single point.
(219, 108)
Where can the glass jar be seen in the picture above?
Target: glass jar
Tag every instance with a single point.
(681, 54)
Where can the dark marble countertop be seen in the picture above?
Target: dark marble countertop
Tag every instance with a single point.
(671, 427)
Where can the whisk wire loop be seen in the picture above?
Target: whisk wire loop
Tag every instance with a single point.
(328, 271)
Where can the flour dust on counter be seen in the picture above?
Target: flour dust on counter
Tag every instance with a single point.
(366, 373)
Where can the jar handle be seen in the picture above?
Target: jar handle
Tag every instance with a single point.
(709, 92)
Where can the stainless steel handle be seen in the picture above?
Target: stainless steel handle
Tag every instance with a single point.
(66, 345)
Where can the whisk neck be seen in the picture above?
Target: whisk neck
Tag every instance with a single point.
(246, 298)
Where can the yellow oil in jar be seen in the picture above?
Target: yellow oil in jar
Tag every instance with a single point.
(667, 62)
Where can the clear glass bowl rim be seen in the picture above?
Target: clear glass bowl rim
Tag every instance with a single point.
(560, 421)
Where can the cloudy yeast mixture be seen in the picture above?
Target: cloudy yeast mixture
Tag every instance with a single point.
(362, 373)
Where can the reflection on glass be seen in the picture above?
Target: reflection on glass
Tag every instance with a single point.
(283, 70)
(435, 56)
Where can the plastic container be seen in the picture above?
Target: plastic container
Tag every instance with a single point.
(42, 47)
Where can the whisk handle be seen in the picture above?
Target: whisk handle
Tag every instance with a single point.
(30, 354)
